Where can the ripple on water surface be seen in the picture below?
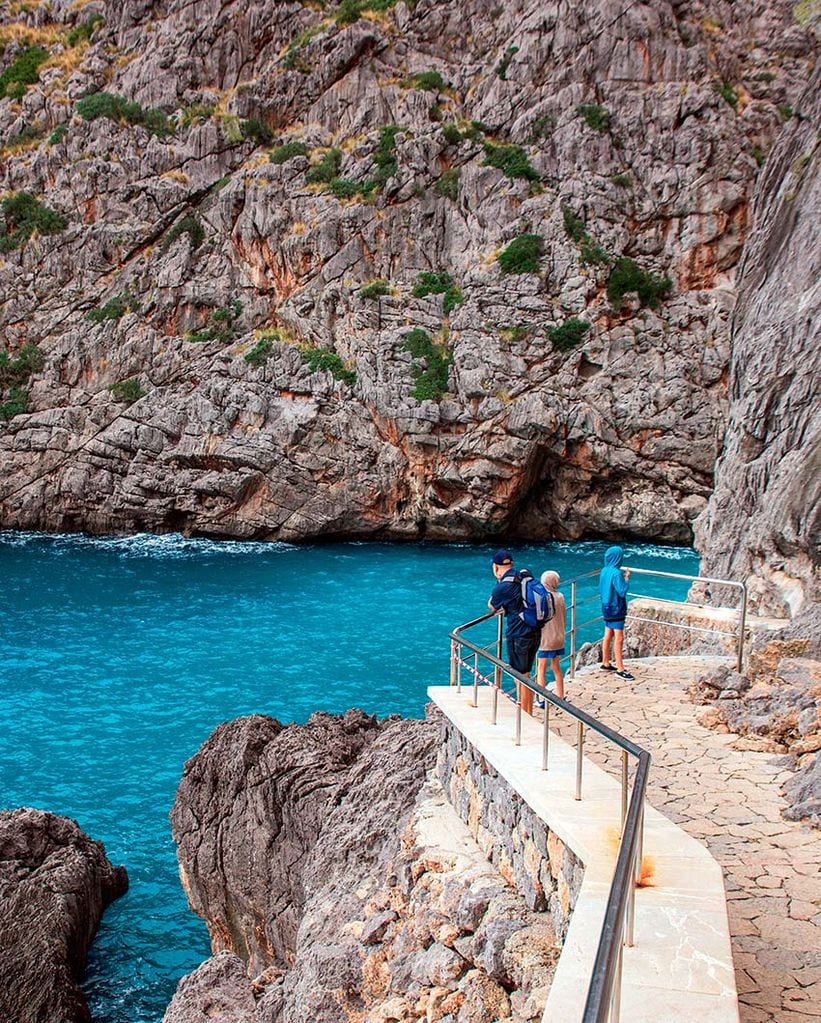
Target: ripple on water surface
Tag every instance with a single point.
(121, 655)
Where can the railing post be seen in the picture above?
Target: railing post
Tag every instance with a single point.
(630, 927)
(475, 680)
(615, 996)
(518, 714)
(545, 733)
(453, 662)
(494, 705)
(623, 788)
(579, 757)
(497, 674)
(741, 625)
(572, 630)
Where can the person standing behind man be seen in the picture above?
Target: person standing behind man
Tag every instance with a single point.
(551, 647)
(613, 583)
(522, 640)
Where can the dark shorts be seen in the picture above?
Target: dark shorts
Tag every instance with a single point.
(550, 654)
(521, 651)
(617, 625)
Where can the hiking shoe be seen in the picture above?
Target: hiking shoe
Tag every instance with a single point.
(538, 703)
(607, 667)
(626, 675)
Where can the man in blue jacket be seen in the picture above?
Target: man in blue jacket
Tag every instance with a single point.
(522, 641)
(613, 583)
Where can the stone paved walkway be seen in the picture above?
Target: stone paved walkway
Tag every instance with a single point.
(731, 800)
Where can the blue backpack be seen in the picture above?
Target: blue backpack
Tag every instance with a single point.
(538, 605)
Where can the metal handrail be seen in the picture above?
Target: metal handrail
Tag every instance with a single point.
(575, 603)
(604, 991)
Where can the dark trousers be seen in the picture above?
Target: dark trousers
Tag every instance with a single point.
(522, 650)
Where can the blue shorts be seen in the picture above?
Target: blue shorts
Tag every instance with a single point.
(550, 654)
(618, 625)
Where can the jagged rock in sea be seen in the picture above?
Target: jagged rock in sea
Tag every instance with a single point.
(327, 858)
(763, 522)
(55, 883)
(231, 331)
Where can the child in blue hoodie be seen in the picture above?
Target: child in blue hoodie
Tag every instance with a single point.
(613, 583)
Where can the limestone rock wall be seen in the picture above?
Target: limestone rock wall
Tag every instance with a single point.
(516, 840)
(55, 883)
(646, 122)
(337, 882)
(762, 523)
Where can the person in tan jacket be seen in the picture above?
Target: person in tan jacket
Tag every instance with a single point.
(551, 646)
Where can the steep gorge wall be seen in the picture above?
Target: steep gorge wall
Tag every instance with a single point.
(617, 434)
(763, 523)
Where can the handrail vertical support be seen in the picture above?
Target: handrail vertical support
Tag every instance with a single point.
(579, 757)
(475, 680)
(572, 630)
(630, 928)
(453, 662)
(615, 997)
(518, 715)
(545, 734)
(623, 788)
(494, 706)
(741, 625)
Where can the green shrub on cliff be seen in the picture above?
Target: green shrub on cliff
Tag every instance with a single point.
(568, 335)
(190, 225)
(127, 390)
(448, 184)
(430, 370)
(118, 108)
(326, 170)
(326, 360)
(258, 355)
(511, 160)
(287, 151)
(627, 275)
(221, 326)
(25, 216)
(114, 309)
(504, 63)
(15, 403)
(522, 256)
(350, 11)
(428, 283)
(254, 130)
(28, 360)
(83, 32)
(426, 81)
(375, 288)
(23, 71)
(594, 116)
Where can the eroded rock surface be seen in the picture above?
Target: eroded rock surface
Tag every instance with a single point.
(645, 122)
(55, 883)
(763, 522)
(327, 860)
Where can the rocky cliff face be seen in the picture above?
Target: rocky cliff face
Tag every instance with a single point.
(191, 342)
(331, 869)
(763, 523)
(55, 883)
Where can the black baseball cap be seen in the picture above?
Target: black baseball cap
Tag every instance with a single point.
(502, 558)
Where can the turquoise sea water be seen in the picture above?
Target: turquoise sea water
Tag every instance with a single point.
(120, 656)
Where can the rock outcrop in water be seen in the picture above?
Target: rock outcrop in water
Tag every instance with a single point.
(330, 868)
(55, 883)
(210, 351)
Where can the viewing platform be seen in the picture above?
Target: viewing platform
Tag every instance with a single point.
(681, 966)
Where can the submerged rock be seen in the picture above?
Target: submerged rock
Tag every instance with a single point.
(55, 883)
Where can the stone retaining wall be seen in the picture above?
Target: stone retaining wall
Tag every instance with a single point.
(515, 839)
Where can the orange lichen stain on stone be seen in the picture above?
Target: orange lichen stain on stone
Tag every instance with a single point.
(89, 211)
(646, 878)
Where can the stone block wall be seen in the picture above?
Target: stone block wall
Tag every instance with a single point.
(516, 840)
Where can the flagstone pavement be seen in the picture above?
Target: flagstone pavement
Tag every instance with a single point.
(731, 800)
